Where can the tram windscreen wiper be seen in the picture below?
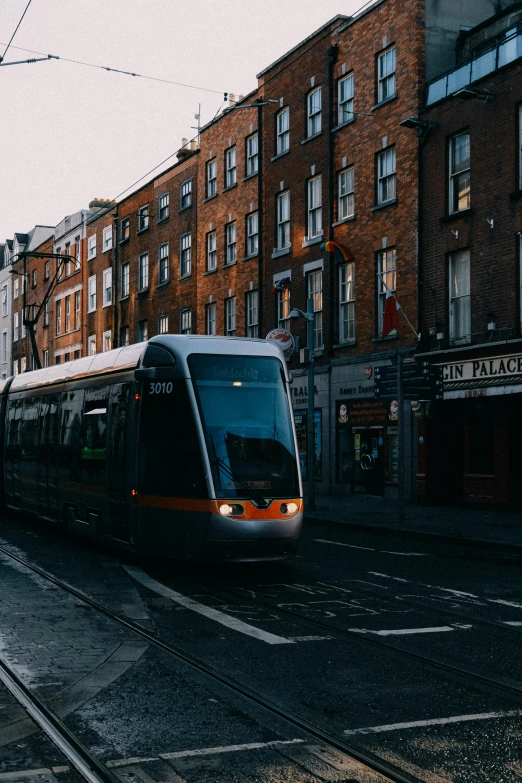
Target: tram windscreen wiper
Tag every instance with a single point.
(222, 465)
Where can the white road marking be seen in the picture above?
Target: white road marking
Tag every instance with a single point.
(310, 638)
(29, 773)
(512, 622)
(228, 749)
(127, 762)
(505, 603)
(386, 576)
(411, 631)
(371, 549)
(212, 614)
(434, 722)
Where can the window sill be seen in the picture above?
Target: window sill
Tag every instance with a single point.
(315, 241)
(162, 220)
(248, 258)
(91, 258)
(106, 304)
(385, 204)
(229, 187)
(209, 198)
(122, 241)
(280, 155)
(124, 298)
(231, 263)
(463, 213)
(318, 352)
(344, 220)
(311, 138)
(163, 284)
(185, 277)
(276, 252)
(106, 249)
(385, 339)
(142, 230)
(346, 344)
(210, 272)
(182, 209)
(141, 293)
(250, 176)
(383, 103)
(91, 311)
(343, 125)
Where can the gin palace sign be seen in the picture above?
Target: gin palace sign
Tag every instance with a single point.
(483, 369)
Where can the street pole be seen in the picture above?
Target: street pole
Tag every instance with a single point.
(400, 439)
(311, 391)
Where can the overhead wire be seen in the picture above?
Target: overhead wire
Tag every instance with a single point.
(16, 30)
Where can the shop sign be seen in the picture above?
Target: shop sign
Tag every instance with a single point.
(347, 391)
(362, 413)
(502, 366)
(299, 394)
(284, 339)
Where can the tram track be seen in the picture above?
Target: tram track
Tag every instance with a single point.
(101, 774)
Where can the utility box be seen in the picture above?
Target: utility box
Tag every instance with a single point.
(304, 355)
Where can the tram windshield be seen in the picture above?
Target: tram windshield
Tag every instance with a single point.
(245, 414)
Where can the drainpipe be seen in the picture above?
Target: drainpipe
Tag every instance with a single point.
(260, 243)
(115, 317)
(331, 54)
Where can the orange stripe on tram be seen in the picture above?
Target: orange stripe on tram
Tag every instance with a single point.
(250, 510)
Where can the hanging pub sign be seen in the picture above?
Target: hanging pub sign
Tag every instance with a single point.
(284, 339)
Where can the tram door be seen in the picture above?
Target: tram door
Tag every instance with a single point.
(118, 476)
(48, 456)
(369, 460)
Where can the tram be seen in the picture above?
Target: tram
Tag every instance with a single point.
(182, 447)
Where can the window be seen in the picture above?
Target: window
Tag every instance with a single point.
(59, 268)
(315, 292)
(59, 316)
(252, 155)
(314, 112)
(210, 318)
(23, 364)
(386, 75)
(283, 220)
(230, 317)
(143, 272)
(125, 273)
(45, 358)
(163, 207)
(76, 354)
(252, 310)
(185, 255)
(163, 324)
(23, 330)
(211, 178)
(346, 302)
(15, 288)
(185, 321)
(107, 238)
(211, 251)
(91, 293)
(47, 270)
(124, 336)
(77, 309)
(107, 341)
(252, 227)
(345, 204)
(15, 327)
(163, 263)
(185, 194)
(459, 172)
(143, 331)
(5, 303)
(143, 218)
(4, 347)
(107, 287)
(459, 297)
(67, 261)
(57, 359)
(283, 131)
(91, 247)
(77, 252)
(283, 309)
(386, 267)
(315, 212)
(230, 167)
(91, 345)
(46, 314)
(345, 100)
(34, 278)
(124, 229)
(67, 313)
(386, 176)
(230, 234)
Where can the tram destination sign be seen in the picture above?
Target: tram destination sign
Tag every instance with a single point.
(420, 381)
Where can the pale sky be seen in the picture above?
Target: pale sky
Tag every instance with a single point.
(70, 133)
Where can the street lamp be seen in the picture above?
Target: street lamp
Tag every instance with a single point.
(309, 317)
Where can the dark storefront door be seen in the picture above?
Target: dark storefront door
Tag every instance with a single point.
(368, 445)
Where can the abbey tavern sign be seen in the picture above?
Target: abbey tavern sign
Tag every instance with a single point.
(483, 369)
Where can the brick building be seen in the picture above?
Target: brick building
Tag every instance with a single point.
(471, 227)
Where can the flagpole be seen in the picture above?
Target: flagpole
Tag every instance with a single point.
(400, 440)
(417, 334)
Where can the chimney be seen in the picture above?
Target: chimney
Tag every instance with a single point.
(193, 145)
(231, 99)
(100, 203)
(185, 151)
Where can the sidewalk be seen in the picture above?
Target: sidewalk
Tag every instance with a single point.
(489, 526)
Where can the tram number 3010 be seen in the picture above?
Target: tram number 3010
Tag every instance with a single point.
(160, 388)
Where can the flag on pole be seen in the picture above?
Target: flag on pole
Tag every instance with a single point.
(390, 319)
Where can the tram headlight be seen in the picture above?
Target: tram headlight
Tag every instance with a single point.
(289, 508)
(231, 509)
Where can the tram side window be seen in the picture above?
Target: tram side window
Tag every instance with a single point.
(118, 436)
(170, 460)
(12, 454)
(70, 414)
(93, 439)
(29, 434)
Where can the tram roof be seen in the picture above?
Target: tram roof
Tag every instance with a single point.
(181, 345)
